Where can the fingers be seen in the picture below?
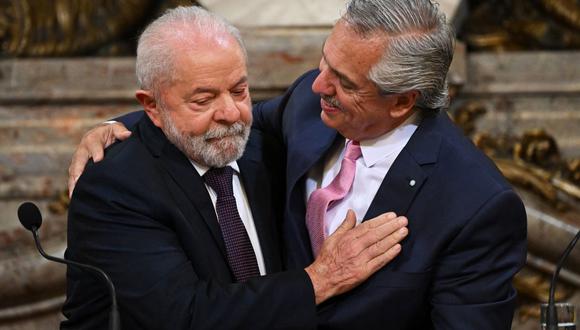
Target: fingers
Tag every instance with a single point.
(98, 141)
(385, 245)
(101, 137)
(377, 221)
(384, 258)
(347, 224)
(72, 181)
(352, 254)
(78, 162)
(93, 145)
(119, 131)
(389, 231)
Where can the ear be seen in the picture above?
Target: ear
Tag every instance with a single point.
(147, 100)
(404, 104)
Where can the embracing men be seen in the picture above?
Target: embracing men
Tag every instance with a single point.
(368, 132)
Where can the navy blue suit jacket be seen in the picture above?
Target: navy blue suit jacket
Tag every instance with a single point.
(144, 216)
(467, 227)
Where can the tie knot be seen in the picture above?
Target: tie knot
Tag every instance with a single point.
(220, 180)
(353, 151)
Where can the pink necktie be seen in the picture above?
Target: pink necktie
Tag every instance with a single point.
(321, 200)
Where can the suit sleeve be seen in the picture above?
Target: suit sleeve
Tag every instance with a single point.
(269, 115)
(113, 226)
(472, 288)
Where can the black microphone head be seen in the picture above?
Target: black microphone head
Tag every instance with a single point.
(29, 216)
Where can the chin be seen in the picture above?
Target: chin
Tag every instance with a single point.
(326, 119)
(330, 121)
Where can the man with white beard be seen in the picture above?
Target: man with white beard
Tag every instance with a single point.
(182, 215)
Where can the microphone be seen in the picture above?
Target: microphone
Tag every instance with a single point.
(30, 217)
(552, 314)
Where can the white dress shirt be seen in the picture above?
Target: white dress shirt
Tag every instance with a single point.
(243, 209)
(371, 168)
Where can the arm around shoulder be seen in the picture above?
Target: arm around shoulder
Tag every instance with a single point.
(161, 281)
(269, 115)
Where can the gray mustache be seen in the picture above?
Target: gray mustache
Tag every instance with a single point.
(219, 132)
(332, 101)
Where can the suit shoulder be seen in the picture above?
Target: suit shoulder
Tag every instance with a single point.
(130, 154)
(307, 78)
(464, 166)
(126, 169)
(303, 85)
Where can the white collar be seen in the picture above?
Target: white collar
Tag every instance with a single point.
(202, 169)
(374, 150)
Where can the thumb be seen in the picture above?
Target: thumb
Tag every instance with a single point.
(121, 133)
(116, 131)
(348, 223)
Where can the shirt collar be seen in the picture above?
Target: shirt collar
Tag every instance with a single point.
(374, 150)
(202, 169)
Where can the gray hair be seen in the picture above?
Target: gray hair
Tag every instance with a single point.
(155, 64)
(420, 46)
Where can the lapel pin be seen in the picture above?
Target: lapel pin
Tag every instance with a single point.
(412, 183)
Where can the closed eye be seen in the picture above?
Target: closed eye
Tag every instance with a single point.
(346, 85)
(239, 92)
(204, 101)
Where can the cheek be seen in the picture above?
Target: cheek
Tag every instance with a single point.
(194, 124)
(349, 103)
(357, 105)
(245, 108)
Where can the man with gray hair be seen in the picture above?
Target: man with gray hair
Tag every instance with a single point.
(182, 215)
(368, 131)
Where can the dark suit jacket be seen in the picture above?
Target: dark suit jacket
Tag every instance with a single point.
(144, 216)
(467, 227)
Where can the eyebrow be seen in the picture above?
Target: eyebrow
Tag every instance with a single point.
(214, 90)
(339, 74)
(242, 80)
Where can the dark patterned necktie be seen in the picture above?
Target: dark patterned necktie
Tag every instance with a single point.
(239, 249)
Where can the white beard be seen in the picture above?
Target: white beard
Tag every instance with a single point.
(229, 145)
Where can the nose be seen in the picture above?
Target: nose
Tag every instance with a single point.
(228, 112)
(323, 83)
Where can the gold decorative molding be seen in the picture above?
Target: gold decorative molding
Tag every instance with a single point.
(532, 160)
(566, 11)
(32, 28)
(523, 24)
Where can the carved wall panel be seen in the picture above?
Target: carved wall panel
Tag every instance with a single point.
(33, 28)
(522, 24)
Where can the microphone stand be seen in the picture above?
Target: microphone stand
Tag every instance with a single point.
(552, 314)
(114, 319)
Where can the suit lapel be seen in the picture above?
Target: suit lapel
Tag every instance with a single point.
(307, 145)
(254, 180)
(407, 174)
(398, 188)
(186, 178)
